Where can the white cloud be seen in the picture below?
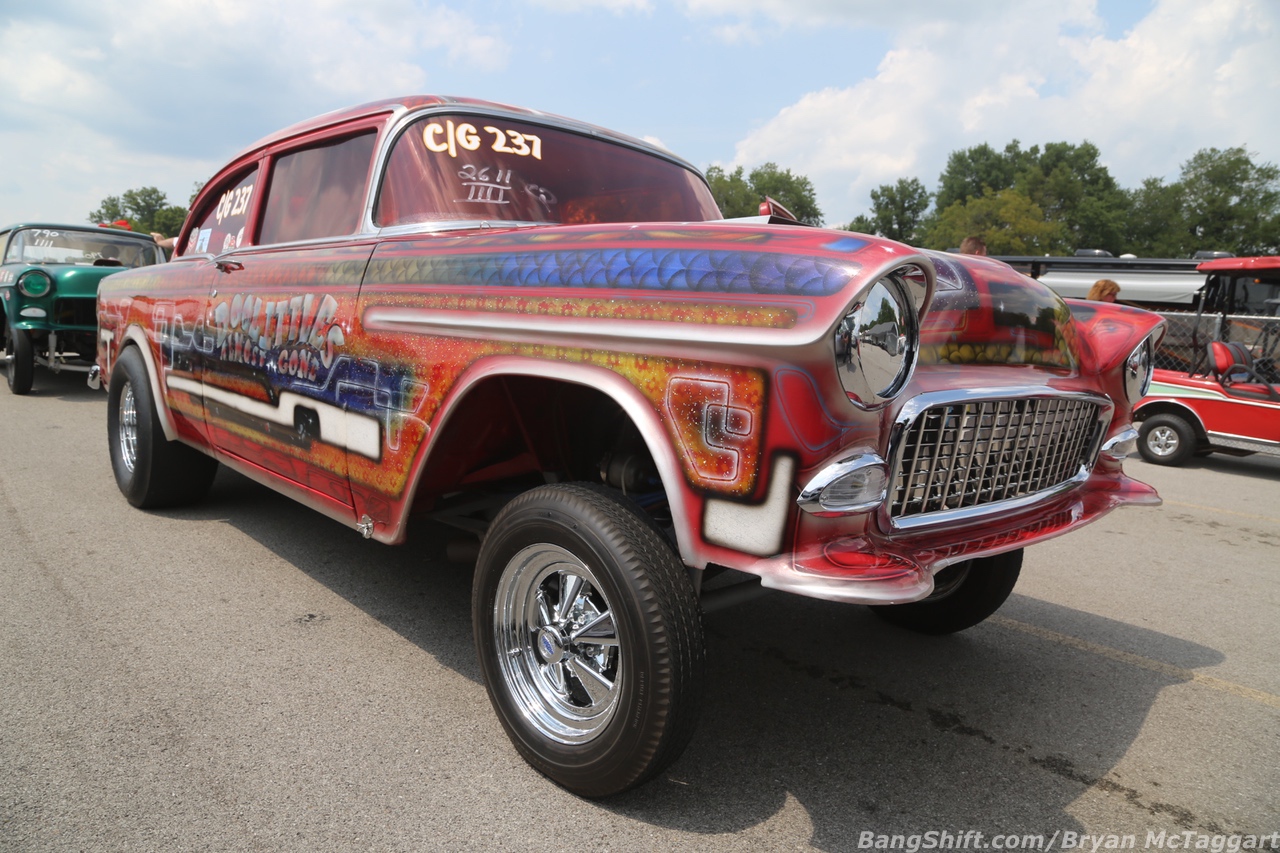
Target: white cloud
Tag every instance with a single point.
(186, 83)
(615, 6)
(1191, 74)
(858, 13)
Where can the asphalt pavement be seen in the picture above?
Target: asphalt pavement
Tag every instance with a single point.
(249, 675)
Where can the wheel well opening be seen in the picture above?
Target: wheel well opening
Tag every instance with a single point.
(511, 433)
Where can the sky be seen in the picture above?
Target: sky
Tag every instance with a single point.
(100, 97)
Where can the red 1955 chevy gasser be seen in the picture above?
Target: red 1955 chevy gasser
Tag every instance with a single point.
(545, 333)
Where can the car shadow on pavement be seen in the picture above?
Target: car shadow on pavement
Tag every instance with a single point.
(999, 728)
(819, 705)
(1259, 466)
(70, 386)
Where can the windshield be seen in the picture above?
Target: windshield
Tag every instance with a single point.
(62, 246)
(466, 167)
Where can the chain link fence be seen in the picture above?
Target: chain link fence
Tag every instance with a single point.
(1185, 345)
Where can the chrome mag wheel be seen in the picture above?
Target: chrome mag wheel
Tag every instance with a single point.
(558, 646)
(128, 431)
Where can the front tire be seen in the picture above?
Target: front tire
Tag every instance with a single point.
(1167, 440)
(152, 472)
(589, 638)
(21, 367)
(963, 595)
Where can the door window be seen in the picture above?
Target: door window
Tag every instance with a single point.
(318, 192)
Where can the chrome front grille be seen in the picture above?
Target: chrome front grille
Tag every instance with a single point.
(957, 458)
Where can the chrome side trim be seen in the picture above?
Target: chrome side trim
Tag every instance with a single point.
(534, 328)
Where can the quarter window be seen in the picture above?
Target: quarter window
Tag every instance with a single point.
(318, 192)
(221, 228)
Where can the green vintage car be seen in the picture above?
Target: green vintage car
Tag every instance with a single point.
(49, 279)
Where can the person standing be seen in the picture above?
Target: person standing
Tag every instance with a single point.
(1104, 290)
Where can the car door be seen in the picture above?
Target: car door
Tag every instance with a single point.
(281, 310)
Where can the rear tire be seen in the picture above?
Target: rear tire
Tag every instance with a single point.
(21, 368)
(589, 638)
(1167, 440)
(152, 472)
(963, 595)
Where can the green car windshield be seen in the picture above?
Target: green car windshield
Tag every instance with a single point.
(66, 246)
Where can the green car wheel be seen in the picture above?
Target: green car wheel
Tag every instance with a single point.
(20, 360)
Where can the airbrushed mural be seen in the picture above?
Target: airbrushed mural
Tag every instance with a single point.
(544, 334)
(333, 384)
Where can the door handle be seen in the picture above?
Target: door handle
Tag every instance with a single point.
(228, 266)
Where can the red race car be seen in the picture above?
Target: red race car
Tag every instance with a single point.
(1226, 400)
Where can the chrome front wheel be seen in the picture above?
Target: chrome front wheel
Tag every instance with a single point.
(589, 637)
(563, 662)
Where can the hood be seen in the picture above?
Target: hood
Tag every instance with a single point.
(985, 312)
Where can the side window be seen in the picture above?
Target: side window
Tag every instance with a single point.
(318, 192)
(222, 226)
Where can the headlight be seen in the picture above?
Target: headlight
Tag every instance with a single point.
(34, 283)
(1137, 372)
(877, 341)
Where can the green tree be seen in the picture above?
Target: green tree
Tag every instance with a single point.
(732, 193)
(738, 194)
(1070, 184)
(971, 171)
(1008, 221)
(863, 224)
(1156, 226)
(146, 209)
(1230, 202)
(899, 209)
(794, 191)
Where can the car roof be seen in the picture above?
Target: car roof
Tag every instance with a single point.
(1264, 262)
(94, 229)
(411, 102)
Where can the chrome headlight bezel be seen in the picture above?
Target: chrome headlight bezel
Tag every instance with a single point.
(875, 357)
(40, 290)
(1138, 369)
